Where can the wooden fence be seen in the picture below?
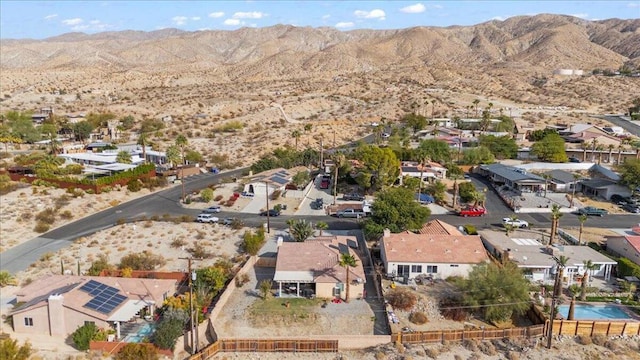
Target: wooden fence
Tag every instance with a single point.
(439, 336)
(590, 328)
(266, 345)
(113, 348)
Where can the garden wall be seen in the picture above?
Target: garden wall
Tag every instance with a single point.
(590, 328)
(440, 336)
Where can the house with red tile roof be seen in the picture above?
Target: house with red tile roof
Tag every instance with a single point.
(312, 268)
(57, 305)
(439, 250)
(626, 246)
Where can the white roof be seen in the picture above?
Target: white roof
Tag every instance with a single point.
(129, 309)
(114, 167)
(293, 276)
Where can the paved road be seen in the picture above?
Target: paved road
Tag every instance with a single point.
(627, 125)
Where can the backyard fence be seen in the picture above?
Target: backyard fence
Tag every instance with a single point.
(590, 328)
(266, 345)
(440, 336)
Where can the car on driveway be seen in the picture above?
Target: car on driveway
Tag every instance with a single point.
(620, 200)
(212, 209)
(271, 213)
(632, 208)
(207, 218)
(247, 194)
(592, 211)
(515, 223)
(317, 204)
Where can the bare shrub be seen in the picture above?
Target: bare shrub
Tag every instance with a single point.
(178, 242)
(401, 299)
(599, 339)
(141, 261)
(199, 251)
(66, 215)
(512, 355)
(583, 340)
(41, 227)
(432, 352)
(614, 346)
(47, 216)
(470, 344)
(488, 348)
(418, 318)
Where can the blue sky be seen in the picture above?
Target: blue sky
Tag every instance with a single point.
(42, 19)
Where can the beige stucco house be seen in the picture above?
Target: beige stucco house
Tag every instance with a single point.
(312, 268)
(57, 305)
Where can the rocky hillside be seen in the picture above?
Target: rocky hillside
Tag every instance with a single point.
(541, 42)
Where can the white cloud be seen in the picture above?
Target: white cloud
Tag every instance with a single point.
(195, 18)
(94, 22)
(179, 20)
(581, 16)
(49, 17)
(344, 24)
(413, 9)
(249, 15)
(499, 18)
(72, 22)
(435, 6)
(633, 5)
(373, 14)
(325, 17)
(232, 22)
(217, 14)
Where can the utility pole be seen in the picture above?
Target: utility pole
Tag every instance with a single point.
(321, 155)
(266, 186)
(335, 183)
(554, 298)
(455, 192)
(192, 317)
(182, 181)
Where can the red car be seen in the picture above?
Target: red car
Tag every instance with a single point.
(472, 212)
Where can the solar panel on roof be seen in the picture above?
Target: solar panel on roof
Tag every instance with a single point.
(279, 180)
(90, 286)
(344, 249)
(282, 172)
(105, 297)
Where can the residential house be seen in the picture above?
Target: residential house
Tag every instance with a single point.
(429, 171)
(57, 305)
(562, 181)
(312, 268)
(266, 182)
(439, 251)
(626, 246)
(512, 177)
(537, 259)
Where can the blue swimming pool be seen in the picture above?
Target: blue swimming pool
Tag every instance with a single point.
(145, 331)
(595, 312)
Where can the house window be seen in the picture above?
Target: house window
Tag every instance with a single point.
(416, 268)
(454, 265)
(431, 269)
(28, 321)
(403, 270)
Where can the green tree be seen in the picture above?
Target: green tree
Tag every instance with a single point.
(582, 219)
(395, 209)
(347, 261)
(630, 174)
(538, 135)
(555, 220)
(301, 179)
(193, 157)
(82, 130)
(561, 262)
(321, 226)
(301, 230)
(100, 119)
(123, 157)
(500, 291)
(475, 103)
(252, 242)
(265, 288)
(167, 333)
(83, 335)
(435, 150)
(6, 278)
(502, 147)
(550, 149)
(381, 166)
(127, 122)
(11, 350)
(411, 183)
(214, 277)
(438, 191)
(415, 122)
(467, 191)
(134, 351)
(22, 127)
(206, 194)
(485, 122)
(574, 290)
(476, 156)
(142, 141)
(295, 134)
(506, 124)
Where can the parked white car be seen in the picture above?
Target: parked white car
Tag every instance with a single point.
(212, 209)
(515, 223)
(207, 218)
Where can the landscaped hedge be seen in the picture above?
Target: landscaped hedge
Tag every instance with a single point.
(126, 175)
(627, 267)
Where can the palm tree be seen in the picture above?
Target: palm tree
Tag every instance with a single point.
(546, 183)
(582, 218)
(574, 290)
(576, 177)
(307, 128)
(594, 144)
(182, 142)
(600, 150)
(290, 223)
(321, 225)
(476, 102)
(338, 161)
(173, 155)
(584, 146)
(610, 147)
(123, 157)
(296, 135)
(142, 141)
(620, 148)
(555, 219)
(301, 230)
(347, 261)
(561, 261)
(588, 267)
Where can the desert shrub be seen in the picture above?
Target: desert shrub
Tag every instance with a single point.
(66, 215)
(6, 278)
(83, 335)
(134, 351)
(470, 344)
(218, 198)
(599, 339)
(488, 348)
(418, 318)
(206, 195)
(265, 289)
(241, 280)
(470, 229)
(275, 195)
(6, 185)
(432, 352)
(199, 251)
(252, 242)
(583, 340)
(614, 346)
(451, 308)
(167, 333)
(10, 350)
(237, 224)
(41, 227)
(134, 185)
(401, 299)
(512, 355)
(47, 216)
(62, 201)
(102, 263)
(178, 242)
(141, 261)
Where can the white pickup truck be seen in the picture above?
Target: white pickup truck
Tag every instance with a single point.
(351, 213)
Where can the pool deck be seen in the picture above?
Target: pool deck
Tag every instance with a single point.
(632, 316)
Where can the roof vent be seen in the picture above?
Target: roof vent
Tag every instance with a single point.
(447, 251)
(418, 250)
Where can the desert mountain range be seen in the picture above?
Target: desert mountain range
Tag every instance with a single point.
(537, 42)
